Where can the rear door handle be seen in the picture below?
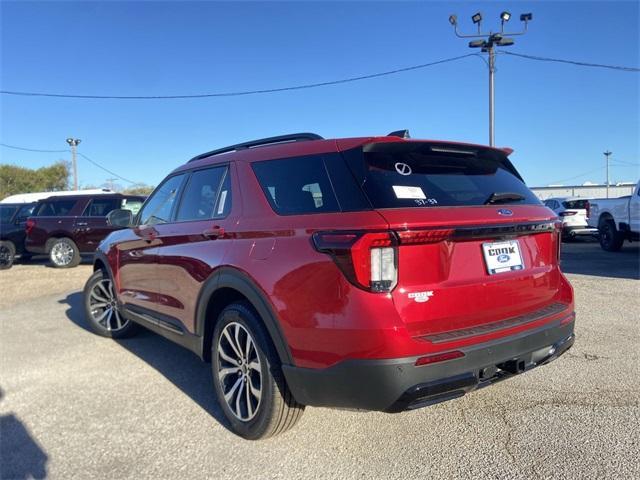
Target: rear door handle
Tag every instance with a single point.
(213, 232)
(82, 224)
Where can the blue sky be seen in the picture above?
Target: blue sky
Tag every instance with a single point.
(558, 118)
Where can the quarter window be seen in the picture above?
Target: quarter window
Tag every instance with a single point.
(297, 185)
(55, 208)
(159, 207)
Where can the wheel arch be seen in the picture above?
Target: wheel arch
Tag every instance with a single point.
(228, 285)
(605, 217)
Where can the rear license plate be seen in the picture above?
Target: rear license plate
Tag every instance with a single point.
(502, 257)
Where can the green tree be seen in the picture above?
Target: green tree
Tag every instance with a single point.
(15, 179)
(139, 189)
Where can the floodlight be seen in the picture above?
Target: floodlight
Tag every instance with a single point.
(453, 20)
(505, 16)
(477, 18)
(526, 17)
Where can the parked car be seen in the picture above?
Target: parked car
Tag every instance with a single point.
(617, 219)
(574, 213)
(13, 217)
(68, 226)
(377, 273)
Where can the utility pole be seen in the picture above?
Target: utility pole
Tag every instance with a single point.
(73, 143)
(110, 183)
(607, 154)
(488, 43)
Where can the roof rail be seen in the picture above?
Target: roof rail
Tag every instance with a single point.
(293, 137)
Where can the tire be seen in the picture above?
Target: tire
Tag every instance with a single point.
(64, 253)
(101, 308)
(273, 410)
(611, 239)
(7, 254)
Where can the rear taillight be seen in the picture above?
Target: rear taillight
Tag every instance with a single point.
(28, 226)
(558, 238)
(368, 259)
(587, 207)
(567, 214)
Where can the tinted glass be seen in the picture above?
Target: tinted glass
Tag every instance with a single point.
(159, 206)
(100, 207)
(6, 213)
(296, 185)
(575, 204)
(25, 212)
(55, 208)
(422, 175)
(200, 195)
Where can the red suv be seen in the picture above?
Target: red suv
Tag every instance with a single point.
(377, 273)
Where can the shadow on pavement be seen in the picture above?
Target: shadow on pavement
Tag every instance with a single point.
(180, 366)
(21, 457)
(587, 258)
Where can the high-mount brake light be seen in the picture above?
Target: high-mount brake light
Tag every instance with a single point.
(368, 259)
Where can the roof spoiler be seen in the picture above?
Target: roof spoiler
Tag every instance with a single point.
(507, 151)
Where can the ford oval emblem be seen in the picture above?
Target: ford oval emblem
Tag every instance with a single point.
(504, 258)
(505, 211)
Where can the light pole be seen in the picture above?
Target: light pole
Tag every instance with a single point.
(607, 154)
(73, 143)
(488, 43)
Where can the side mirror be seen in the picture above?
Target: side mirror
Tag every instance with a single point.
(120, 218)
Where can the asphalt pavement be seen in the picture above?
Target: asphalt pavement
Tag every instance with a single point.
(75, 405)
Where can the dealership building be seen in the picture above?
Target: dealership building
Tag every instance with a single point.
(584, 191)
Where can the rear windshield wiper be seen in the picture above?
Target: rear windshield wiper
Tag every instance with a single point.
(500, 197)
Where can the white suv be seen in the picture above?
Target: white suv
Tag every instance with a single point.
(574, 212)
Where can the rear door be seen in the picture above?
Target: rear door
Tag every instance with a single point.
(475, 244)
(91, 227)
(194, 243)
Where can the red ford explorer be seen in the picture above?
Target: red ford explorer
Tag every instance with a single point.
(378, 273)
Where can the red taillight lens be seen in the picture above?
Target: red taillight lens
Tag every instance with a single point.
(567, 214)
(439, 357)
(587, 207)
(29, 224)
(414, 237)
(369, 260)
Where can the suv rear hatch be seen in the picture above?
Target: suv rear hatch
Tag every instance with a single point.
(473, 245)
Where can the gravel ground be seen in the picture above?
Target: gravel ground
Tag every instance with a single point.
(80, 406)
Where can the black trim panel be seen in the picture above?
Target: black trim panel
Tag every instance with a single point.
(393, 385)
(547, 311)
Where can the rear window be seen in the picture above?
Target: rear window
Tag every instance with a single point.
(395, 175)
(6, 213)
(575, 204)
(295, 186)
(55, 208)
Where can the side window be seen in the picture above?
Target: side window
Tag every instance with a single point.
(55, 208)
(100, 207)
(158, 208)
(201, 193)
(24, 212)
(296, 185)
(132, 204)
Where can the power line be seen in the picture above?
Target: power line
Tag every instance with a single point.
(14, 147)
(571, 62)
(242, 93)
(577, 176)
(33, 149)
(310, 85)
(106, 169)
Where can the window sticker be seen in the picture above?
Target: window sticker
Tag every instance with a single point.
(223, 198)
(409, 192)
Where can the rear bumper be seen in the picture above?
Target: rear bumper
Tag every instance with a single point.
(569, 231)
(394, 385)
